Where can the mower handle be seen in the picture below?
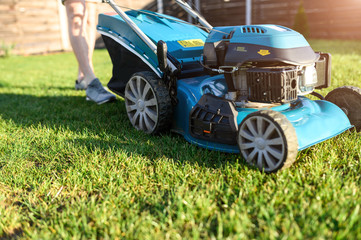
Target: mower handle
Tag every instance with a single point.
(138, 31)
(194, 14)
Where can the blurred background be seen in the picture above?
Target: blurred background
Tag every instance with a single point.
(36, 27)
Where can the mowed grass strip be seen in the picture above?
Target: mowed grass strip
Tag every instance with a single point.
(72, 169)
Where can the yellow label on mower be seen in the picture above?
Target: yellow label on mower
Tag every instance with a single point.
(264, 52)
(191, 43)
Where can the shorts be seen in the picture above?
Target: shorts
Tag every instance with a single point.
(94, 1)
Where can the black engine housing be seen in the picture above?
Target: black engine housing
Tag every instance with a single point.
(272, 85)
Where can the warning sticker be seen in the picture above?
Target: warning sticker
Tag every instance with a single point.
(263, 52)
(191, 43)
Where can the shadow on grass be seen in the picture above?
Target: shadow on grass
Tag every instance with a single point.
(104, 127)
(60, 88)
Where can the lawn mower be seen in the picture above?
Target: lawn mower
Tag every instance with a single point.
(236, 89)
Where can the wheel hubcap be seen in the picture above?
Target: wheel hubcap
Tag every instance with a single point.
(141, 104)
(260, 143)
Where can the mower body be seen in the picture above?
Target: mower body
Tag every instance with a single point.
(227, 74)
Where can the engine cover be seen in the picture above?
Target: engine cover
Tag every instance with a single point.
(233, 46)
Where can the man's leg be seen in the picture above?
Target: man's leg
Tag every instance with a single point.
(90, 32)
(77, 19)
(91, 20)
(76, 12)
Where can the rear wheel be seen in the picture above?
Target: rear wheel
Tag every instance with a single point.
(148, 103)
(267, 140)
(349, 100)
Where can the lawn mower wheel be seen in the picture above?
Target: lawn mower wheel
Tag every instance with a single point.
(268, 140)
(349, 100)
(148, 103)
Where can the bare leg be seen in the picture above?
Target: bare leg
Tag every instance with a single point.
(91, 9)
(90, 32)
(76, 12)
(78, 20)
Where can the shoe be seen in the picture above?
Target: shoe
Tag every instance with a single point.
(80, 85)
(97, 93)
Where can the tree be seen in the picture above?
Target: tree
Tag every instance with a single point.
(301, 21)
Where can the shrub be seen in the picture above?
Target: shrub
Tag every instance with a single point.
(6, 49)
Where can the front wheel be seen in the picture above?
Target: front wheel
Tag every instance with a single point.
(268, 141)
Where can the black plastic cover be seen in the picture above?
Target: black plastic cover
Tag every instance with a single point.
(125, 64)
(323, 67)
(214, 119)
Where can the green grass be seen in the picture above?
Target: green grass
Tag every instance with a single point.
(72, 169)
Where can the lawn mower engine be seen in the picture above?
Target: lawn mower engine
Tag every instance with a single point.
(258, 70)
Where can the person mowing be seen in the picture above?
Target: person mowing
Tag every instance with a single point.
(81, 16)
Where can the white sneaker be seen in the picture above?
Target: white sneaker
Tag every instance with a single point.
(97, 93)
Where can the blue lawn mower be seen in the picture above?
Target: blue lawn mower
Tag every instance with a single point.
(237, 89)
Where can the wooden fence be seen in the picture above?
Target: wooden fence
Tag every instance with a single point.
(170, 7)
(326, 18)
(39, 26)
(31, 26)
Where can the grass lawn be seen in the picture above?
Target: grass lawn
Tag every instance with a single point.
(72, 169)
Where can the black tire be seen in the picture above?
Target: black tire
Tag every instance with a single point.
(349, 100)
(267, 140)
(147, 103)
